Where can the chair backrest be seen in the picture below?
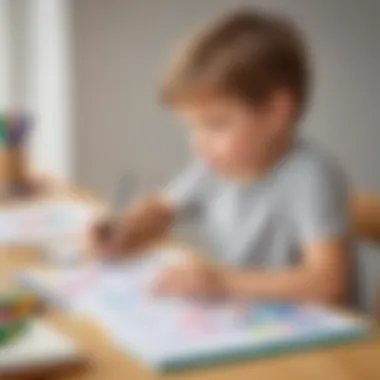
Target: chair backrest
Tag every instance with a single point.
(366, 216)
(366, 224)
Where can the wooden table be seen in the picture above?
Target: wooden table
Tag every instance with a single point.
(355, 361)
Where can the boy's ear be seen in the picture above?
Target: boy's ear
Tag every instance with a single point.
(283, 107)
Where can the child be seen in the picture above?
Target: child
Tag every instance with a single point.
(273, 208)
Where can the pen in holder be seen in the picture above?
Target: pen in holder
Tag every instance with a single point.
(14, 132)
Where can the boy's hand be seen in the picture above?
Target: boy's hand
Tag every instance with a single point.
(192, 278)
(144, 222)
(100, 237)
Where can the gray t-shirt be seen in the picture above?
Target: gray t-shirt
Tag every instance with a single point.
(266, 222)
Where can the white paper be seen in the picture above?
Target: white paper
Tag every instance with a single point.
(43, 222)
(40, 345)
(158, 329)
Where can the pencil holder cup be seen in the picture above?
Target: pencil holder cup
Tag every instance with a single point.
(12, 165)
(14, 131)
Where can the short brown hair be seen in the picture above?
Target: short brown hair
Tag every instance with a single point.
(247, 54)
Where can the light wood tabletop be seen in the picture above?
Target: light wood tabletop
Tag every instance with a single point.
(354, 361)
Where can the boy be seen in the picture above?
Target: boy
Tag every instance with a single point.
(272, 207)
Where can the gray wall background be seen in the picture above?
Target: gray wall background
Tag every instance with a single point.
(120, 49)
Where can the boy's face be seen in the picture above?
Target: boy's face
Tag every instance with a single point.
(232, 136)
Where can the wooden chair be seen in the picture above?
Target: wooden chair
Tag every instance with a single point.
(366, 216)
(366, 224)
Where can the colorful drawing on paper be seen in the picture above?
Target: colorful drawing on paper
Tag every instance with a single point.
(120, 297)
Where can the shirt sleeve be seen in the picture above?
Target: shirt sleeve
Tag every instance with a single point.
(185, 191)
(321, 208)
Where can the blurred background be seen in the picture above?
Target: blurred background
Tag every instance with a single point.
(89, 70)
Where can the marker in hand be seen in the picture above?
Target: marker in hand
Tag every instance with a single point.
(104, 234)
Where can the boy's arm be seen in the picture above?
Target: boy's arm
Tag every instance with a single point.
(146, 221)
(149, 219)
(322, 276)
(320, 217)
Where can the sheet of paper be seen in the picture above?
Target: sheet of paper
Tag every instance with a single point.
(156, 328)
(41, 345)
(41, 222)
